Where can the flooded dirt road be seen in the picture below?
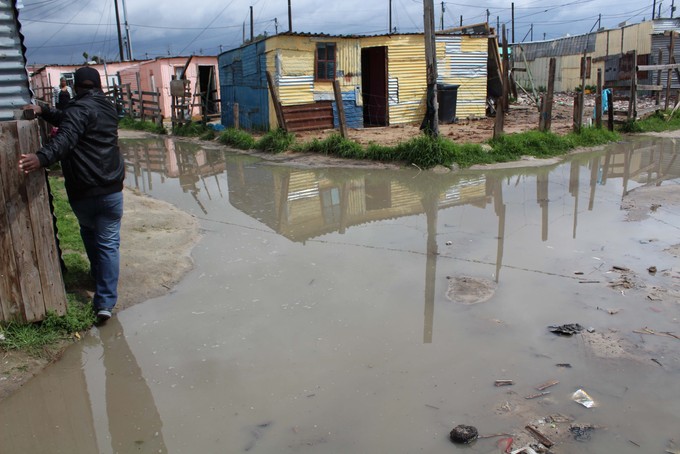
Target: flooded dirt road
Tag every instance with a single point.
(365, 311)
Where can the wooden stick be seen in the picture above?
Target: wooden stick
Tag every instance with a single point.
(539, 436)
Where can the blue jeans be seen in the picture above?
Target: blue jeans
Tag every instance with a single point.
(99, 218)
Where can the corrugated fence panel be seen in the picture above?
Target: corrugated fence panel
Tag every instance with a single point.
(463, 62)
(406, 64)
(661, 42)
(296, 90)
(14, 85)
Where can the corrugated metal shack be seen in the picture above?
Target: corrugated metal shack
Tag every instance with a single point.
(382, 78)
(608, 50)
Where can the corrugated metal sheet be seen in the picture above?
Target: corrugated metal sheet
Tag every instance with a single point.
(662, 25)
(14, 85)
(464, 62)
(558, 47)
(662, 43)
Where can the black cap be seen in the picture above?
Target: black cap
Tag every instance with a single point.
(87, 77)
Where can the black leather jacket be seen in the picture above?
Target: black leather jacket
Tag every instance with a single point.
(87, 146)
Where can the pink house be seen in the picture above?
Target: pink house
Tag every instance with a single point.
(153, 75)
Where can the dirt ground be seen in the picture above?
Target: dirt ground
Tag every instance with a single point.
(157, 238)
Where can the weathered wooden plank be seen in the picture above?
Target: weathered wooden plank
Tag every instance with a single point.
(30, 298)
(54, 295)
(649, 87)
(658, 67)
(10, 291)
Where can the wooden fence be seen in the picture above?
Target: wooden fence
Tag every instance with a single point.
(31, 282)
(143, 105)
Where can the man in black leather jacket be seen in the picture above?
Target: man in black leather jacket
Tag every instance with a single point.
(94, 170)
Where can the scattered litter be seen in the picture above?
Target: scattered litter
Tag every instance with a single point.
(449, 243)
(547, 384)
(463, 434)
(524, 450)
(581, 432)
(653, 297)
(620, 268)
(504, 444)
(541, 394)
(539, 436)
(638, 445)
(583, 398)
(567, 365)
(646, 330)
(657, 361)
(590, 329)
(588, 282)
(503, 383)
(578, 273)
(2, 336)
(672, 448)
(651, 270)
(610, 311)
(566, 330)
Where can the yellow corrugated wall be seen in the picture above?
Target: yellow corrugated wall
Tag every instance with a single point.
(290, 59)
(462, 61)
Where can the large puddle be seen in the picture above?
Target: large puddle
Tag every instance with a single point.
(371, 311)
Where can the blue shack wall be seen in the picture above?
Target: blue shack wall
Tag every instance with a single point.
(243, 80)
(354, 114)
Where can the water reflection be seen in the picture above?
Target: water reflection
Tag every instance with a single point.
(304, 204)
(63, 409)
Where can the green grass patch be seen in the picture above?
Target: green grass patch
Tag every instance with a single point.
(35, 338)
(192, 129)
(659, 122)
(276, 141)
(139, 125)
(237, 138)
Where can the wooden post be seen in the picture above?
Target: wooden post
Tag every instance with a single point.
(140, 99)
(506, 64)
(431, 121)
(500, 119)
(341, 108)
(598, 100)
(277, 105)
(236, 116)
(671, 53)
(632, 103)
(129, 100)
(577, 113)
(658, 78)
(30, 272)
(610, 111)
(545, 120)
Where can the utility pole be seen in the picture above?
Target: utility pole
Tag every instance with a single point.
(127, 33)
(498, 23)
(599, 21)
(431, 122)
(672, 8)
(543, 36)
(659, 15)
(653, 9)
(513, 22)
(252, 25)
(487, 16)
(531, 30)
(290, 18)
(461, 20)
(390, 30)
(276, 26)
(120, 36)
(443, 10)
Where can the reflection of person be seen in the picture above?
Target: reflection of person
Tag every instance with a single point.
(135, 424)
(87, 146)
(61, 94)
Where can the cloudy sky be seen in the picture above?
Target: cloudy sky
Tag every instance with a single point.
(60, 31)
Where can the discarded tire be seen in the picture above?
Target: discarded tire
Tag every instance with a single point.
(463, 434)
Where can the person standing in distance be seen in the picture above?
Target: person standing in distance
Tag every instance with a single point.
(61, 94)
(87, 146)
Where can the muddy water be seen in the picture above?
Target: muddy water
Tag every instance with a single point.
(328, 312)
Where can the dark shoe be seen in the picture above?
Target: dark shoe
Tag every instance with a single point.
(102, 316)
